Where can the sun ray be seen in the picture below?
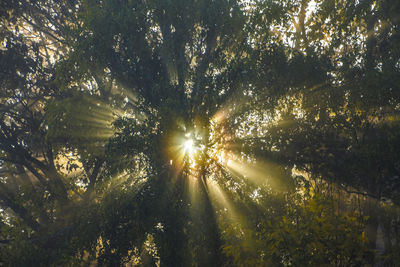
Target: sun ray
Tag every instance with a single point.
(220, 200)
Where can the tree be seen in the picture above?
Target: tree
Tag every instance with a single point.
(196, 133)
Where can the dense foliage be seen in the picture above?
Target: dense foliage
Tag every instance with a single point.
(199, 133)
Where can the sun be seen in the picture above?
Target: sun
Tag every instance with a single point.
(188, 147)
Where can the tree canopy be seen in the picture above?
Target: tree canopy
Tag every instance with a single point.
(199, 133)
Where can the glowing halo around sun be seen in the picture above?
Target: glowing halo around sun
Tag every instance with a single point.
(190, 151)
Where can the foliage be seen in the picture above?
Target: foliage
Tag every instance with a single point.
(304, 234)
